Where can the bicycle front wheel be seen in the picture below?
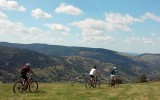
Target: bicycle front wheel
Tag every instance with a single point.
(110, 83)
(33, 86)
(18, 87)
(88, 84)
(117, 83)
(98, 84)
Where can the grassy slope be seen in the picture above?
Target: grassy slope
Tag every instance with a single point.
(65, 91)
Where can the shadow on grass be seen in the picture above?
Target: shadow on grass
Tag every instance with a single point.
(36, 92)
(41, 92)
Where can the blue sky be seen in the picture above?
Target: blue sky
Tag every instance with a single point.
(119, 25)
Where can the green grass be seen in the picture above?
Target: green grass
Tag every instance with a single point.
(66, 91)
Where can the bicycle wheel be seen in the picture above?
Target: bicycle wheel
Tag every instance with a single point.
(88, 83)
(117, 83)
(98, 84)
(33, 86)
(110, 84)
(18, 87)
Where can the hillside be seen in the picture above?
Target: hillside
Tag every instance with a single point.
(103, 55)
(54, 63)
(50, 68)
(11, 59)
(150, 58)
(47, 68)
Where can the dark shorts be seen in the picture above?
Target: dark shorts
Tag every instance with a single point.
(24, 77)
(91, 76)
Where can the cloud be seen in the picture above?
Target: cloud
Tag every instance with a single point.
(93, 30)
(68, 9)
(3, 16)
(59, 28)
(149, 15)
(120, 19)
(17, 32)
(38, 14)
(138, 40)
(102, 39)
(113, 22)
(8, 27)
(11, 5)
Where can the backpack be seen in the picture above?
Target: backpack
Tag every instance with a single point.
(112, 72)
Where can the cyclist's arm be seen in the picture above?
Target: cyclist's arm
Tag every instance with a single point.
(31, 71)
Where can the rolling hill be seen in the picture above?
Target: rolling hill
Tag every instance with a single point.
(54, 63)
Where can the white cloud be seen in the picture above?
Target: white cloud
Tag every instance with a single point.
(149, 15)
(93, 30)
(9, 27)
(119, 19)
(17, 32)
(68, 9)
(38, 13)
(3, 16)
(138, 40)
(113, 22)
(11, 5)
(59, 28)
(120, 22)
(95, 39)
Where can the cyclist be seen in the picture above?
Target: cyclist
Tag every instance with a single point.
(24, 70)
(113, 74)
(92, 74)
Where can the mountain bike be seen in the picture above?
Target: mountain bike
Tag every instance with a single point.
(89, 83)
(113, 82)
(19, 85)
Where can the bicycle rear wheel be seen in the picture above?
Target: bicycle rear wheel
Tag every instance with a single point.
(18, 87)
(110, 83)
(88, 83)
(33, 86)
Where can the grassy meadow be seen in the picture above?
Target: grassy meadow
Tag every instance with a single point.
(77, 91)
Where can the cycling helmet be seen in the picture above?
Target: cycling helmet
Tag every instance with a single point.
(28, 64)
(114, 67)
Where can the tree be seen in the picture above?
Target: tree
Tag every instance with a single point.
(143, 78)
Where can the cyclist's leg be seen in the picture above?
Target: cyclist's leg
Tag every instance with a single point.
(26, 82)
(115, 78)
(112, 78)
(92, 80)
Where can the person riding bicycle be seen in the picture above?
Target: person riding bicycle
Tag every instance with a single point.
(92, 74)
(113, 74)
(24, 70)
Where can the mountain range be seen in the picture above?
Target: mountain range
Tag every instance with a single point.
(61, 63)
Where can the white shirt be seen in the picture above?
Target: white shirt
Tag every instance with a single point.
(92, 72)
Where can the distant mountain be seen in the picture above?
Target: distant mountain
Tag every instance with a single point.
(129, 53)
(153, 59)
(99, 54)
(53, 62)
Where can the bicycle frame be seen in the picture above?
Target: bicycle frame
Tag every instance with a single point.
(113, 82)
(93, 83)
(29, 80)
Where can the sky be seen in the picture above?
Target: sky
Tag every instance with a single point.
(121, 25)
